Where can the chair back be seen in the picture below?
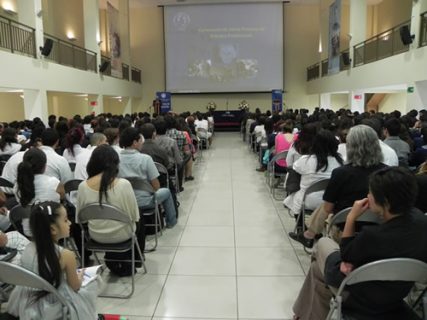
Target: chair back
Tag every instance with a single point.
(279, 156)
(316, 186)
(19, 276)
(140, 184)
(161, 168)
(367, 217)
(94, 211)
(388, 270)
(17, 213)
(5, 183)
(72, 185)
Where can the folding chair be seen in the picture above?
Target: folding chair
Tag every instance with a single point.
(18, 276)
(202, 134)
(108, 212)
(271, 172)
(144, 185)
(319, 185)
(341, 216)
(6, 255)
(381, 270)
(71, 187)
(5, 183)
(18, 217)
(163, 170)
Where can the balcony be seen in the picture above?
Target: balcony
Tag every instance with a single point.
(17, 37)
(381, 46)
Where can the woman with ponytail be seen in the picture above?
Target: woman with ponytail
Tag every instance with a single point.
(73, 139)
(56, 265)
(32, 185)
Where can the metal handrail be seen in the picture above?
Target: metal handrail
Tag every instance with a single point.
(17, 37)
(136, 75)
(313, 71)
(380, 46)
(324, 64)
(423, 30)
(69, 54)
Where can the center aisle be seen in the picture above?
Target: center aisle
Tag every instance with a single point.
(229, 257)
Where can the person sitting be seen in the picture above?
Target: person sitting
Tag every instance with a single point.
(56, 265)
(317, 165)
(283, 142)
(34, 185)
(364, 156)
(103, 186)
(402, 234)
(82, 159)
(133, 163)
(9, 143)
(73, 141)
(391, 132)
(419, 156)
(421, 177)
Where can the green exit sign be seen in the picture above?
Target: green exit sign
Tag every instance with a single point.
(410, 90)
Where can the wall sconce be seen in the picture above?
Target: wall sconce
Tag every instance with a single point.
(71, 36)
(8, 8)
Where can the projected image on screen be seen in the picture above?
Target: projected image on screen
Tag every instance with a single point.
(224, 48)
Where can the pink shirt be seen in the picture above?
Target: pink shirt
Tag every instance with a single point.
(281, 144)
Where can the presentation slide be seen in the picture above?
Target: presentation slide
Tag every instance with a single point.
(224, 47)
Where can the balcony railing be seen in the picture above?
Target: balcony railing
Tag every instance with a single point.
(324, 65)
(125, 71)
(17, 37)
(136, 75)
(423, 30)
(68, 54)
(313, 72)
(383, 45)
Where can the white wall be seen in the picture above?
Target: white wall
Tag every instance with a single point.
(393, 101)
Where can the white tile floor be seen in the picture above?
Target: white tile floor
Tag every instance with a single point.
(229, 257)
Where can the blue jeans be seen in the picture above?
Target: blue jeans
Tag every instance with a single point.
(164, 197)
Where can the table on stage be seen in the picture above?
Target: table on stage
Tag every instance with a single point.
(228, 120)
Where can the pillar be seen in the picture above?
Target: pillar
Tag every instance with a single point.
(325, 101)
(35, 104)
(357, 101)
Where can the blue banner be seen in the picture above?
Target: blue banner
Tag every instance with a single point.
(165, 99)
(277, 100)
(334, 37)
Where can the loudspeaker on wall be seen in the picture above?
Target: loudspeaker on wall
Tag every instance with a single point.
(346, 58)
(104, 66)
(47, 47)
(405, 35)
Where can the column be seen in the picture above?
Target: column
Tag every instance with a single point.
(95, 103)
(416, 21)
(325, 101)
(124, 31)
(357, 30)
(35, 104)
(357, 101)
(418, 99)
(91, 27)
(30, 14)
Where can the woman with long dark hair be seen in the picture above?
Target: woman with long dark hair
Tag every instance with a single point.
(56, 265)
(104, 187)
(32, 185)
(318, 164)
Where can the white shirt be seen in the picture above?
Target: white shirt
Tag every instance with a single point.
(82, 160)
(389, 155)
(204, 124)
(10, 170)
(77, 150)
(56, 165)
(10, 149)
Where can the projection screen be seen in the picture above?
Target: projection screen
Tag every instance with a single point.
(224, 47)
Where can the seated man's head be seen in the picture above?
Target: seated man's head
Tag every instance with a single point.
(392, 189)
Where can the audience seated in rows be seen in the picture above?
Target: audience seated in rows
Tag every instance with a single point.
(401, 235)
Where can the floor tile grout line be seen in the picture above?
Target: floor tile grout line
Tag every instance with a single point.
(178, 244)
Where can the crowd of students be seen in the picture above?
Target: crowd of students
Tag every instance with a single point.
(373, 161)
(103, 152)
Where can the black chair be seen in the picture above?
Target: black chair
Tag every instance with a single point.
(19, 215)
(108, 212)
